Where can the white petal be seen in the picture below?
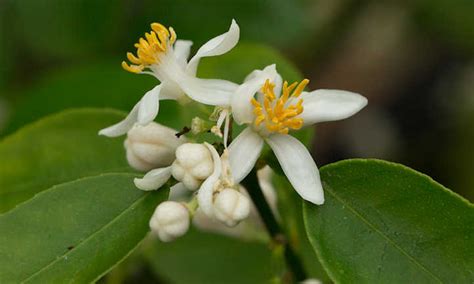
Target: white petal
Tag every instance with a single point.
(216, 46)
(242, 109)
(207, 91)
(170, 91)
(123, 126)
(182, 49)
(299, 167)
(330, 105)
(154, 179)
(243, 153)
(178, 192)
(206, 191)
(149, 106)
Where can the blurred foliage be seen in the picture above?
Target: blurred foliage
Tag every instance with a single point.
(200, 257)
(105, 84)
(291, 204)
(448, 20)
(102, 84)
(460, 154)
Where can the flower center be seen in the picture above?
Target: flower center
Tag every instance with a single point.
(279, 114)
(149, 49)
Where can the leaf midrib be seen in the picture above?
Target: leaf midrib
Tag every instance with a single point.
(370, 225)
(82, 242)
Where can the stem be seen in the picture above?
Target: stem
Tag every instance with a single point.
(276, 233)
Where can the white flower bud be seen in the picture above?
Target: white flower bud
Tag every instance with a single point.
(151, 146)
(193, 165)
(231, 207)
(170, 220)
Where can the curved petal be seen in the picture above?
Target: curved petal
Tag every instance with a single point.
(123, 126)
(182, 49)
(208, 91)
(299, 167)
(178, 192)
(149, 106)
(243, 153)
(154, 179)
(242, 109)
(206, 191)
(329, 105)
(170, 91)
(216, 46)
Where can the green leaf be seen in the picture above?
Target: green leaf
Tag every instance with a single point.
(278, 22)
(76, 231)
(56, 149)
(208, 258)
(385, 223)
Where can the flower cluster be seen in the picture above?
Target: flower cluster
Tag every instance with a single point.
(207, 178)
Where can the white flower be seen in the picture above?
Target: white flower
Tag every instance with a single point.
(231, 207)
(219, 196)
(193, 165)
(170, 220)
(162, 56)
(270, 116)
(151, 146)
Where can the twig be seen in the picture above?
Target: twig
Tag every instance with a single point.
(293, 262)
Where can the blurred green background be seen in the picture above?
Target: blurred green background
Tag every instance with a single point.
(412, 59)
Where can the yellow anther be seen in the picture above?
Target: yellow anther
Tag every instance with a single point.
(132, 68)
(150, 48)
(280, 114)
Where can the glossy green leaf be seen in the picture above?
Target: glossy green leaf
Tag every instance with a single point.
(204, 258)
(385, 223)
(74, 232)
(57, 149)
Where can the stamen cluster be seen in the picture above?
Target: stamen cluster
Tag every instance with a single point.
(149, 48)
(279, 114)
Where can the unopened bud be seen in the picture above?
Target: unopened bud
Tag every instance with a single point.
(170, 220)
(193, 165)
(231, 207)
(151, 146)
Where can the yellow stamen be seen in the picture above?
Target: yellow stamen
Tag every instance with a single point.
(279, 114)
(150, 48)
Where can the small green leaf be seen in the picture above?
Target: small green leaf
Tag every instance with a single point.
(208, 258)
(57, 149)
(76, 231)
(385, 223)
